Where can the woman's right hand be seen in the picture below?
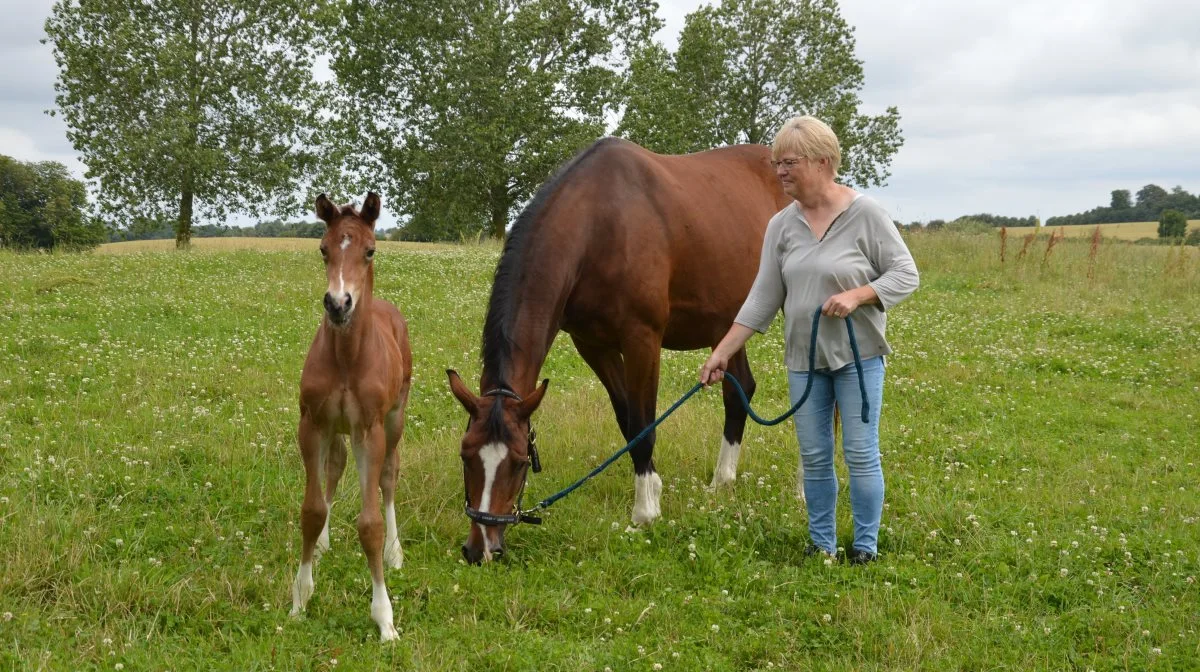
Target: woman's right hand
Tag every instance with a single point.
(714, 369)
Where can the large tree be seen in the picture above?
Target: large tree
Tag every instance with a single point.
(744, 68)
(459, 109)
(186, 106)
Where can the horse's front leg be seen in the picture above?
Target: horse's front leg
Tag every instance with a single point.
(641, 382)
(314, 444)
(393, 553)
(370, 450)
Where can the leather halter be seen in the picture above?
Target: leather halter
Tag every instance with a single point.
(533, 462)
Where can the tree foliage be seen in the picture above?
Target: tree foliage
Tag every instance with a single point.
(460, 109)
(42, 206)
(1152, 201)
(183, 106)
(1172, 224)
(742, 69)
(1120, 199)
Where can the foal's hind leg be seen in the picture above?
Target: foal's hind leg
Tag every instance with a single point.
(335, 464)
(314, 445)
(735, 419)
(393, 554)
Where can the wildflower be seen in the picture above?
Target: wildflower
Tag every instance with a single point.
(826, 618)
(716, 628)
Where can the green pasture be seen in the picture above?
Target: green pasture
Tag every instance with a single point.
(1039, 443)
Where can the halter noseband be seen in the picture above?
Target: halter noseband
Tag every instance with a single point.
(534, 463)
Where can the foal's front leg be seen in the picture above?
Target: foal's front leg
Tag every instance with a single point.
(335, 464)
(370, 450)
(314, 512)
(393, 553)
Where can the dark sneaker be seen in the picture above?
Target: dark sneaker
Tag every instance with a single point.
(812, 550)
(857, 557)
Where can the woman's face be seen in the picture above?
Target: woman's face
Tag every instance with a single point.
(800, 176)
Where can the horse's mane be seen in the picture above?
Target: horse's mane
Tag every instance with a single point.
(497, 346)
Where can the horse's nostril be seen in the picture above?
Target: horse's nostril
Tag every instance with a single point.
(471, 556)
(349, 300)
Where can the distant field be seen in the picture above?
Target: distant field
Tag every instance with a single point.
(265, 244)
(1122, 231)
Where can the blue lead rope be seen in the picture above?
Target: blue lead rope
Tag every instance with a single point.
(737, 386)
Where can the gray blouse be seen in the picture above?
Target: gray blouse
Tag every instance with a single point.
(798, 273)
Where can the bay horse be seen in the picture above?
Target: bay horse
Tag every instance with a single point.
(628, 252)
(355, 382)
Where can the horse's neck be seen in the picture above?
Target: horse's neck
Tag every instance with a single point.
(539, 298)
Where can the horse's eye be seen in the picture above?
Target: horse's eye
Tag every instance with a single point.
(324, 251)
(371, 253)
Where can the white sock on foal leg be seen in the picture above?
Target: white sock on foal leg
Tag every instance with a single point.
(302, 589)
(381, 612)
(393, 555)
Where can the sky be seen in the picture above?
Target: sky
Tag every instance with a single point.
(1012, 107)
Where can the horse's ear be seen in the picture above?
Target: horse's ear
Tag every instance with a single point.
(370, 209)
(326, 210)
(530, 403)
(468, 400)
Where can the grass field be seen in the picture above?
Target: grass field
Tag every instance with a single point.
(1122, 231)
(1039, 444)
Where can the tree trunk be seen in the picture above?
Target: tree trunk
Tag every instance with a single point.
(500, 203)
(183, 227)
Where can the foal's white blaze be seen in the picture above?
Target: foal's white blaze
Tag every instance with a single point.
(727, 461)
(345, 242)
(647, 491)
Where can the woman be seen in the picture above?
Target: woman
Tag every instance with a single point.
(836, 250)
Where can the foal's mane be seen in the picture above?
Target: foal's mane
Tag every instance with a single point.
(498, 343)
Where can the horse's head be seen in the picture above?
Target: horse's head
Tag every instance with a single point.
(348, 249)
(496, 455)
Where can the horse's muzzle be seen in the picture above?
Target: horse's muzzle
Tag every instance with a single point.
(338, 309)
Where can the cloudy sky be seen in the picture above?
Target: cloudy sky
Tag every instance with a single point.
(1013, 107)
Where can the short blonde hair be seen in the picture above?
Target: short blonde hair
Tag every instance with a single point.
(808, 138)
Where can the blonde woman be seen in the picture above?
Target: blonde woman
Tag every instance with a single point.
(838, 250)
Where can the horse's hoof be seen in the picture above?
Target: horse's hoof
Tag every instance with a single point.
(388, 633)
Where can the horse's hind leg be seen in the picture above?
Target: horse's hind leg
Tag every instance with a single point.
(641, 381)
(335, 464)
(314, 444)
(393, 554)
(735, 419)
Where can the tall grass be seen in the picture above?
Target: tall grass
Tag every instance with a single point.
(1039, 444)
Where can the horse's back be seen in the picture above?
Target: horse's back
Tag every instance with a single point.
(678, 237)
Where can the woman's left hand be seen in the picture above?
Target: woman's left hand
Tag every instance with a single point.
(841, 305)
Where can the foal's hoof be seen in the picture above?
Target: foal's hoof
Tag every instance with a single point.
(388, 633)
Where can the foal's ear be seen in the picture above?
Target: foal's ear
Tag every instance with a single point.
(370, 209)
(528, 405)
(468, 400)
(326, 210)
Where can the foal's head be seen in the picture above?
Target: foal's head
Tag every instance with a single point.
(496, 456)
(348, 249)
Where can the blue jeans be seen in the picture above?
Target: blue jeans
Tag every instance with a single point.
(860, 446)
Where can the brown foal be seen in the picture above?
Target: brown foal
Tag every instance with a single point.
(355, 382)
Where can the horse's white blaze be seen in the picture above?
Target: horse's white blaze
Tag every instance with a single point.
(647, 490)
(345, 242)
(302, 589)
(727, 461)
(492, 455)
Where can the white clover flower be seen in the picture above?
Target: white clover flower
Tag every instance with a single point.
(716, 628)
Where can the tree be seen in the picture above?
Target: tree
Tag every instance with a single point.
(42, 206)
(459, 109)
(743, 68)
(1172, 224)
(179, 106)
(1150, 197)
(1120, 199)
